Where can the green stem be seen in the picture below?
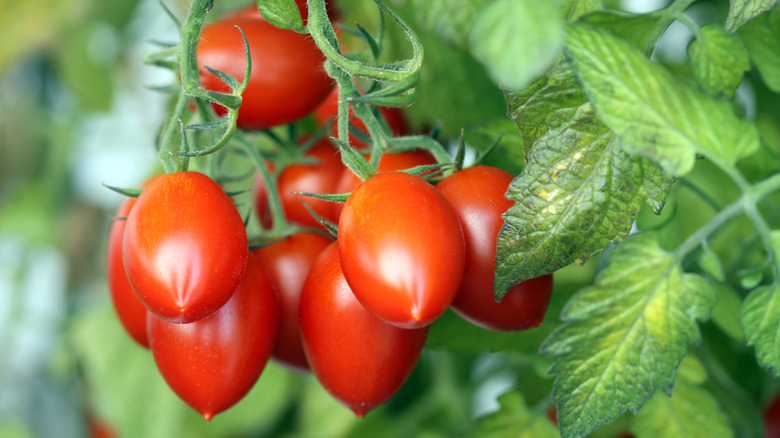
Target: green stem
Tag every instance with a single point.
(172, 163)
(727, 214)
(280, 226)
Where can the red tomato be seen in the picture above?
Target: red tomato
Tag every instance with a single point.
(288, 263)
(772, 419)
(314, 178)
(185, 247)
(401, 248)
(477, 196)
(211, 364)
(132, 314)
(287, 81)
(348, 181)
(359, 359)
(329, 109)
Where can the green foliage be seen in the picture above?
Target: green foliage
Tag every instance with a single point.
(624, 338)
(514, 420)
(512, 57)
(742, 11)
(655, 116)
(719, 60)
(690, 411)
(281, 13)
(761, 321)
(762, 39)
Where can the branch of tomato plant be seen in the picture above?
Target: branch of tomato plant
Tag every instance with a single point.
(746, 203)
(166, 142)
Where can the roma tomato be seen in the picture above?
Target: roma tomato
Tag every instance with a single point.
(348, 181)
(287, 81)
(329, 109)
(401, 248)
(359, 359)
(132, 314)
(185, 247)
(288, 263)
(212, 363)
(477, 196)
(314, 178)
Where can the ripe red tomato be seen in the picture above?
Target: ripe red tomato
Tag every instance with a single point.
(401, 248)
(477, 196)
(132, 314)
(287, 81)
(359, 359)
(185, 247)
(313, 178)
(212, 363)
(329, 109)
(288, 263)
(348, 181)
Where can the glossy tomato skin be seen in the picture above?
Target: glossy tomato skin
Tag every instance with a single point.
(389, 162)
(288, 264)
(131, 313)
(212, 363)
(328, 111)
(401, 248)
(304, 177)
(184, 247)
(287, 82)
(477, 196)
(359, 359)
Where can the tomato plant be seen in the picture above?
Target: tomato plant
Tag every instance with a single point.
(477, 196)
(213, 362)
(184, 247)
(327, 110)
(288, 263)
(131, 312)
(287, 80)
(401, 248)
(321, 177)
(360, 359)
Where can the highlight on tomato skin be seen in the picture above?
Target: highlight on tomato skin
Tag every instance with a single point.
(184, 247)
(477, 196)
(288, 263)
(401, 248)
(129, 309)
(287, 81)
(211, 364)
(359, 359)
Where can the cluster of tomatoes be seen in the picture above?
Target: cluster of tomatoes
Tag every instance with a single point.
(355, 311)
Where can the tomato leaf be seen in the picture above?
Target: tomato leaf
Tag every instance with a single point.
(579, 191)
(762, 39)
(691, 411)
(719, 60)
(726, 313)
(514, 57)
(742, 11)
(283, 14)
(761, 322)
(655, 116)
(514, 419)
(624, 337)
(577, 8)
